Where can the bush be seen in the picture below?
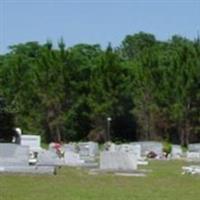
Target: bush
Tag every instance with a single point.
(97, 135)
(167, 147)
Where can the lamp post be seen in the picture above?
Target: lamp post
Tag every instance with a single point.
(109, 119)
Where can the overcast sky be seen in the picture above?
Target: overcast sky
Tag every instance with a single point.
(97, 21)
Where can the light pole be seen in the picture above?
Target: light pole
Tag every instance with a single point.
(109, 119)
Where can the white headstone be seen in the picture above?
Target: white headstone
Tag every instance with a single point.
(49, 158)
(13, 155)
(88, 149)
(193, 156)
(150, 146)
(109, 146)
(33, 141)
(117, 161)
(176, 152)
(137, 150)
(71, 147)
(72, 159)
(194, 147)
(93, 149)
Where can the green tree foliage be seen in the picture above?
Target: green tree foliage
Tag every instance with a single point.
(149, 88)
(7, 123)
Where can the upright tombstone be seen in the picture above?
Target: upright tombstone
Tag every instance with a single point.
(88, 149)
(193, 156)
(151, 146)
(72, 159)
(49, 158)
(194, 147)
(193, 153)
(33, 141)
(83, 149)
(109, 146)
(136, 150)
(14, 158)
(125, 148)
(176, 152)
(13, 155)
(93, 149)
(117, 161)
(71, 147)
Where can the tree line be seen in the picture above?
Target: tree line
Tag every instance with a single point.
(149, 88)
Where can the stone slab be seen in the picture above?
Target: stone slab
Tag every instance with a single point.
(28, 170)
(49, 158)
(134, 149)
(193, 156)
(130, 174)
(195, 147)
(70, 147)
(72, 159)
(33, 141)
(150, 146)
(176, 152)
(117, 161)
(14, 155)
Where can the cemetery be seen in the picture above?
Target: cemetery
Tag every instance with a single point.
(88, 170)
(99, 100)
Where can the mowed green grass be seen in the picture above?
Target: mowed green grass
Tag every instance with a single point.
(165, 182)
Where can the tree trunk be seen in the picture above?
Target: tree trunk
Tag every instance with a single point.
(58, 134)
(182, 135)
(187, 133)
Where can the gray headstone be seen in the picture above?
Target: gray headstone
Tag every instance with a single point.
(84, 149)
(72, 159)
(71, 147)
(117, 161)
(109, 146)
(136, 150)
(33, 141)
(28, 170)
(193, 156)
(133, 149)
(194, 147)
(49, 158)
(151, 146)
(14, 155)
(176, 151)
(93, 148)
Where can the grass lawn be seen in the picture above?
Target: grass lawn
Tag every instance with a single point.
(165, 182)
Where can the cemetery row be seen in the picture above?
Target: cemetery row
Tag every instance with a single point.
(29, 157)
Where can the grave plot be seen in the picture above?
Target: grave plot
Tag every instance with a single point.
(120, 162)
(117, 161)
(15, 159)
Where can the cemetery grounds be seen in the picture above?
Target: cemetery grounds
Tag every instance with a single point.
(164, 182)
